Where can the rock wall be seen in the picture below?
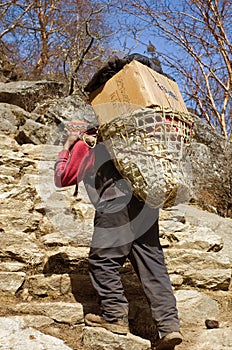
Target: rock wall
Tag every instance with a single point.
(45, 236)
(211, 160)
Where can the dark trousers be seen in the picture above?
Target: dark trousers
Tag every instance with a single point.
(131, 231)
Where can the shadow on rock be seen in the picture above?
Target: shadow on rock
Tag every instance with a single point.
(140, 320)
(81, 286)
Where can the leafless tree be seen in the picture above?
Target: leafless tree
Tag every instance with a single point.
(52, 37)
(197, 35)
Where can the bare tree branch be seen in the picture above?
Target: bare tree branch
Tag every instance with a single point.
(199, 30)
(16, 22)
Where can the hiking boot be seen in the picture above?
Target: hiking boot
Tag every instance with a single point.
(119, 326)
(169, 341)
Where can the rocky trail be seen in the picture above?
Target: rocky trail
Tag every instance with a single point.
(45, 233)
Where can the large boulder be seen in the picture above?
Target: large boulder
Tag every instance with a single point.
(13, 335)
(11, 118)
(211, 159)
(27, 94)
(65, 109)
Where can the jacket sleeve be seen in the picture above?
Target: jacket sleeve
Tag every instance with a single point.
(71, 166)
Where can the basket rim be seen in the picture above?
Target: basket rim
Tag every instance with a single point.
(182, 116)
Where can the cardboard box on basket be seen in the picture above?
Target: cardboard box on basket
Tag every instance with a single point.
(133, 87)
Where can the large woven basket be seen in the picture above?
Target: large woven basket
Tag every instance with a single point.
(149, 149)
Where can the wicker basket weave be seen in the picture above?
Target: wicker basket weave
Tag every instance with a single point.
(148, 148)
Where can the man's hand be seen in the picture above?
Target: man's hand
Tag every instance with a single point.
(72, 138)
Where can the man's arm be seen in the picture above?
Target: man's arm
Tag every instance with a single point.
(73, 162)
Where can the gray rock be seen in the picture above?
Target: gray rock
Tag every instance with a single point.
(27, 94)
(70, 108)
(18, 246)
(73, 220)
(211, 279)
(215, 339)
(24, 222)
(16, 196)
(11, 117)
(100, 339)
(6, 179)
(35, 321)
(211, 158)
(217, 224)
(200, 269)
(71, 313)
(71, 216)
(32, 132)
(176, 280)
(13, 336)
(198, 217)
(203, 239)
(12, 266)
(40, 153)
(195, 307)
(8, 143)
(74, 254)
(8, 326)
(55, 239)
(16, 159)
(10, 282)
(63, 110)
(172, 226)
(54, 285)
